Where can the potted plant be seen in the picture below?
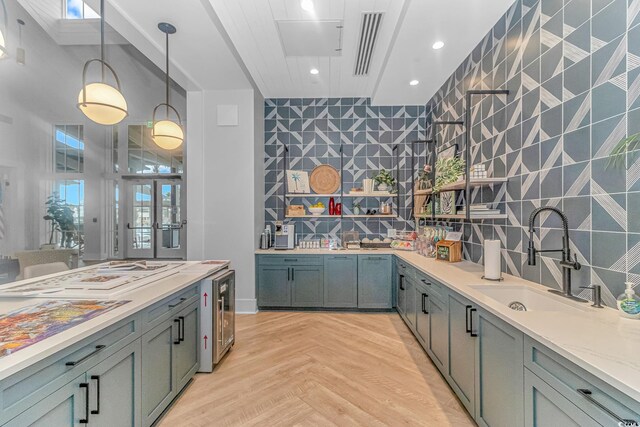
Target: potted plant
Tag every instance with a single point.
(61, 217)
(385, 181)
(356, 208)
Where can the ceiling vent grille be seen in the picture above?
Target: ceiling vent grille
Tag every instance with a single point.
(369, 30)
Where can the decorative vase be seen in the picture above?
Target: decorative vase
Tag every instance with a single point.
(367, 185)
(383, 187)
(338, 209)
(356, 210)
(332, 206)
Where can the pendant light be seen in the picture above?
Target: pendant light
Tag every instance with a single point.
(3, 31)
(101, 102)
(166, 133)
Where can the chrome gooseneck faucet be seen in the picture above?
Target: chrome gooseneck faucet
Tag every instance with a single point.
(567, 263)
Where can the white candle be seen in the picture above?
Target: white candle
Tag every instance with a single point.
(492, 259)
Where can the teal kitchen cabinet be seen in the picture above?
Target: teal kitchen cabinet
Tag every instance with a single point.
(274, 287)
(341, 281)
(499, 371)
(307, 286)
(422, 314)
(188, 351)
(462, 353)
(68, 406)
(374, 281)
(438, 335)
(170, 358)
(105, 395)
(544, 406)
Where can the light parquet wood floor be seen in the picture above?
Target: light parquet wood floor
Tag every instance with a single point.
(320, 369)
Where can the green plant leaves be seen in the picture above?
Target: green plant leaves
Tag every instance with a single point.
(617, 157)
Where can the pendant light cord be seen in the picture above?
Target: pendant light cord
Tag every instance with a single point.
(167, 75)
(102, 37)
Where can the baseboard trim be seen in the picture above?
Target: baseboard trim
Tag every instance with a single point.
(246, 306)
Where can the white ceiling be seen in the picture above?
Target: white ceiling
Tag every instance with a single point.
(403, 51)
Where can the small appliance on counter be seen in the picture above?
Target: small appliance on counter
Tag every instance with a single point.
(265, 238)
(285, 235)
(217, 318)
(351, 239)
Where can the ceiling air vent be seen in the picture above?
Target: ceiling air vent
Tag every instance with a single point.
(369, 30)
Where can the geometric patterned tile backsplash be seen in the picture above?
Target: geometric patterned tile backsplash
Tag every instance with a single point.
(572, 68)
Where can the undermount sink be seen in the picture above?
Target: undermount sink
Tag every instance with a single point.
(520, 298)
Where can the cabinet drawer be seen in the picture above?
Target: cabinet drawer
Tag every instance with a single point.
(435, 288)
(26, 388)
(290, 260)
(164, 309)
(403, 268)
(598, 399)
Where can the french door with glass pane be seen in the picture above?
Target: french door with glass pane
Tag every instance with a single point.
(156, 225)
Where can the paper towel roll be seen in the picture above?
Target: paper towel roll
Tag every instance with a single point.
(492, 259)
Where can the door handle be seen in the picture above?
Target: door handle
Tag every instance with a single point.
(402, 282)
(473, 334)
(424, 309)
(221, 301)
(98, 349)
(177, 341)
(467, 328)
(425, 282)
(85, 420)
(181, 333)
(587, 395)
(293, 274)
(96, 378)
(178, 303)
(288, 274)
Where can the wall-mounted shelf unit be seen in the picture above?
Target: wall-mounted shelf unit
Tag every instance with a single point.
(463, 216)
(353, 195)
(461, 185)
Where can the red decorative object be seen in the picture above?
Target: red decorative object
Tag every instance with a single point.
(332, 206)
(338, 209)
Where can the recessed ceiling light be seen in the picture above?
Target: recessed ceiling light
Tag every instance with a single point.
(307, 5)
(438, 45)
(414, 82)
(314, 71)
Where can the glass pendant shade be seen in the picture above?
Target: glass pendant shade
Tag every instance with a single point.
(167, 134)
(102, 103)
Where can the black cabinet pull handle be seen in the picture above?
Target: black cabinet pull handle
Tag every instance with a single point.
(473, 334)
(177, 340)
(93, 353)
(288, 274)
(402, 282)
(96, 378)
(466, 320)
(85, 420)
(291, 260)
(588, 395)
(178, 303)
(181, 334)
(424, 307)
(425, 282)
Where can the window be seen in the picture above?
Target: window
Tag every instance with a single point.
(78, 9)
(69, 149)
(113, 219)
(146, 157)
(71, 194)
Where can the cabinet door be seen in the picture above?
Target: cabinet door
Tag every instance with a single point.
(499, 372)
(402, 294)
(410, 302)
(422, 314)
(115, 389)
(438, 339)
(341, 281)
(65, 407)
(374, 281)
(187, 351)
(307, 286)
(158, 379)
(274, 286)
(544, 406)
(462, 353)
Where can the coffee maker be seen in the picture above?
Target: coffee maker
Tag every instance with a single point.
(284, 236)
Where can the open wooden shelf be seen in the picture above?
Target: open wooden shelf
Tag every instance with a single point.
(343, 216)
(461, 185)
(307, 196)
(462, 216)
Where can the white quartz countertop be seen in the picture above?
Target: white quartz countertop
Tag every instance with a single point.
(597, 340)
(139, 299)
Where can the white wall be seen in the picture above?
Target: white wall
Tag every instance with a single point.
(225, 185)
(35, 97)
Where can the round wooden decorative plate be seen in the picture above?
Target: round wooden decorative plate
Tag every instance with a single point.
(324, 179)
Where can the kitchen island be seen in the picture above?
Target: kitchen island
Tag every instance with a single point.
(122, 367)
(581, 358)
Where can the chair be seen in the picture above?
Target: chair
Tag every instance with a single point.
(44, 269)
(30, 258)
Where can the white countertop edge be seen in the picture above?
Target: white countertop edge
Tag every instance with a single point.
(139, 300)
(614, 358)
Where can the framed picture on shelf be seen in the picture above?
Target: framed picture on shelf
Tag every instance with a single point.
(298, 182)
(448, 203)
